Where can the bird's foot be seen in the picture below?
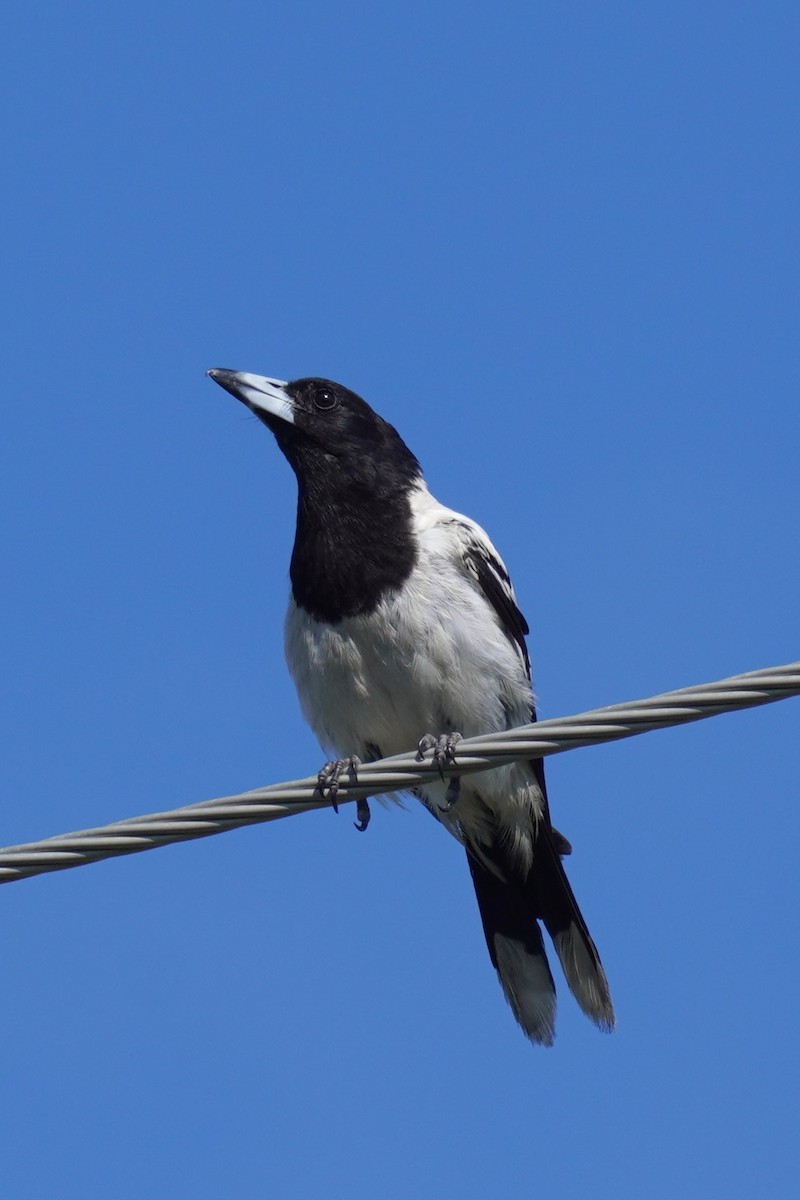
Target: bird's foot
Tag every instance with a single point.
(444, 755)
(443, 747)
(329, 780)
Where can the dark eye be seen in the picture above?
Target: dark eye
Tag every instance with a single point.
(324, 399)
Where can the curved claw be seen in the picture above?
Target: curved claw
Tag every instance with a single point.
(443, 747)
(363, 814)
(452, 794)
(329, 777)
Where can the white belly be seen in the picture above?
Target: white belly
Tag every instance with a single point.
(409, 669)
(374, 685)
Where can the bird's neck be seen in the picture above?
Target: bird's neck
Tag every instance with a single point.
(353, 547)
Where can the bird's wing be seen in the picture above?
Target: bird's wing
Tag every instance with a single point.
(484, 565)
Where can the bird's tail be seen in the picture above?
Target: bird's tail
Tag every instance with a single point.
(511, 905)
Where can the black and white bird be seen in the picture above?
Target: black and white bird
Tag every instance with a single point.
(403, 629)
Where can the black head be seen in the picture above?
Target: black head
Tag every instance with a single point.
(354, 541)
(324, 429)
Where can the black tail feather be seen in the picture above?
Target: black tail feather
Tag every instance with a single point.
(511, 904)
(554, 902)
(517, 951)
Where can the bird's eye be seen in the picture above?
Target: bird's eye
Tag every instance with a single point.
(324, 399)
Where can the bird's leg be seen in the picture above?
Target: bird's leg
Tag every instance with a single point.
(328, 779)
(444, 755)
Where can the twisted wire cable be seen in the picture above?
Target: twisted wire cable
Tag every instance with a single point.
(401, 772)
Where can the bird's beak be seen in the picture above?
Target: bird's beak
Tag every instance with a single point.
(262, 396)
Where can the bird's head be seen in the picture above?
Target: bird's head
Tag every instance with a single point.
(323, 427)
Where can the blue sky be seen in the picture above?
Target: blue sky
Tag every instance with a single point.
(557, 245)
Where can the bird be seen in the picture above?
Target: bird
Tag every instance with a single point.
(403, 630)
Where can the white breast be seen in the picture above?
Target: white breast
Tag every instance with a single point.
(425, 662)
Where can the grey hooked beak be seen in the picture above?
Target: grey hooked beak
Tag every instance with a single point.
(261, 395)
